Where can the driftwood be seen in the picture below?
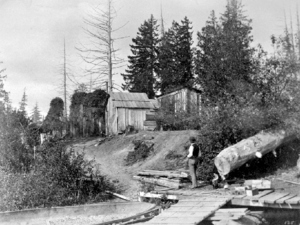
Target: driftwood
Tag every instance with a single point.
(161, 182)
(247, 149)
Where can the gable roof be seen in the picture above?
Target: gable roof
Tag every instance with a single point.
(131, 100)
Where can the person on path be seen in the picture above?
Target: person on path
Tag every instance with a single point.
(193, 158)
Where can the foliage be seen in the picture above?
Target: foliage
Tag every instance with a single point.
(140, 75)
(14, 155)
(53, 120)
(61, 177)
(224, 61)
(97, 98)
(90, 106)
(141, 151)
(36, 114)
(23, 102)
(176, 56)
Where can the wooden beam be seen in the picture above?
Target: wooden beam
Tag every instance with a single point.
(157, 182)
(165, 173)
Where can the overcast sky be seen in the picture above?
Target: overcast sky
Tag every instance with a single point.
(32, 33)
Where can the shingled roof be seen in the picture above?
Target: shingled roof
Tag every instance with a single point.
(131, 100)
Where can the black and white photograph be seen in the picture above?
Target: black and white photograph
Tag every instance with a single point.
(155, 112)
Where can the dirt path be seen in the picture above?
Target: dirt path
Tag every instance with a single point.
(111, 164)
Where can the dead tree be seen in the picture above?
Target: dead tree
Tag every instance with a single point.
(99, 53)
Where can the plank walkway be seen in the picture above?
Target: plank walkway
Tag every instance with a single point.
(265, 198)
(190, 211)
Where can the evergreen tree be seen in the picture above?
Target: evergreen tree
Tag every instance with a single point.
(224, 63)
(3, 93)
(142, 69)
(23, 103)
(175, 56)
(36, 114)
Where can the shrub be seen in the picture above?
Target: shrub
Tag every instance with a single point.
(141, 151)
(60, 177)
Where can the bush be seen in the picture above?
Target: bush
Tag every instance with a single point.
(141, 151)
(60, 177)
(223, 128)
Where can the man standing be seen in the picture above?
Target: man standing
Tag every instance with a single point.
(194, 154)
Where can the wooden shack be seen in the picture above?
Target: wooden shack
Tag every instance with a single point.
(181, 99)
(125, 109)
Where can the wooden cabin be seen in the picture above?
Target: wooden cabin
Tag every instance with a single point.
(181, 99)
(125, 109)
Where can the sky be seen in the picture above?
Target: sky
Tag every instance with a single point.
(32, 34)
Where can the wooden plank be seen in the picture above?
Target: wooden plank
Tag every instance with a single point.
(260, 194)
(206, 199)
(216, 218)
(192, 209)
(199, 204)
(294, 200)
(183, 214)
(271, 198)
(165, 173)
(282, 200)
(259, 184)
(233, 210)
(178, 220)
(152, 195)
(157, 181)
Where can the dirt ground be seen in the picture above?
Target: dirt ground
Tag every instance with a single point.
(112, 153)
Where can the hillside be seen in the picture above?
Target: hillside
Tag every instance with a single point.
(111, 155)
(169, 152)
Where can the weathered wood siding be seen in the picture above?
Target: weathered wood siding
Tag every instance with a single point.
(181, 100)
(125, 109)
(128, 116)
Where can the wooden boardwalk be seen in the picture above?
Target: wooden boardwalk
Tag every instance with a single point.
(265, 198)
(190, 211)
(269, 199)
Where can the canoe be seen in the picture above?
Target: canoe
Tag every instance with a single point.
(100, 213)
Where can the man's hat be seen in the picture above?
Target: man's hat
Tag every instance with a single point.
(192, 139)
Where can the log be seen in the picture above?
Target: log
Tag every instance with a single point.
(236, 155)
(160, 182)
(166, 173)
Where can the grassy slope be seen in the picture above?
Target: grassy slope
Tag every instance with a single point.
(111, 154)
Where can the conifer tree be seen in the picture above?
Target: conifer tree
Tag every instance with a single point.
(142, 69)
(23, 103)
(224, 63)
(36, 114)
(175, 56)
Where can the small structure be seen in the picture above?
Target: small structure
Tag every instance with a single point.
(181, 99)
(126, 109)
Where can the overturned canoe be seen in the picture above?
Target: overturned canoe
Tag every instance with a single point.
(75, 215)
